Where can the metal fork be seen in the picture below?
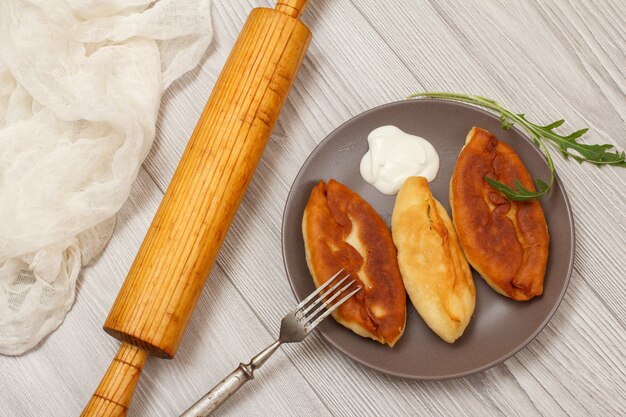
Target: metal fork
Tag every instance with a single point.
(294, 327)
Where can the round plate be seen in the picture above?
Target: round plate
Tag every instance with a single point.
(500, 327)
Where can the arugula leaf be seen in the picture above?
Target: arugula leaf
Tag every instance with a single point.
(568, 145)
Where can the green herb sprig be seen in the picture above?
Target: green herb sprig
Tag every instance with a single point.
(568, 145)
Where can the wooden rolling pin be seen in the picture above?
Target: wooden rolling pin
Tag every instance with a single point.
(161, 290)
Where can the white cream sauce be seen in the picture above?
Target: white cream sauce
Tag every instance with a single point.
(394, 155)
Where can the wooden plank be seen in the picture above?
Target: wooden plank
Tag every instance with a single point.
(577, 359)
(351, 67)
(550, 59)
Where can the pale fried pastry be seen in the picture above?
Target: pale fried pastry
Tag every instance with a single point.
(435, 272)
(342, 231)
(505, 241)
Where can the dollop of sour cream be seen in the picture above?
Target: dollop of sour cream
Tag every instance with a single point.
(393, 156)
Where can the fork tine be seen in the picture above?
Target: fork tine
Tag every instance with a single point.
(333, 308)
(319, 299)
(317, 291)
(326, 303)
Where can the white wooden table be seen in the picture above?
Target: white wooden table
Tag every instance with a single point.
(548, 59)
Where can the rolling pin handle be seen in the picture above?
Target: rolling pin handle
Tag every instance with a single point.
(113, 395)
(292, 8)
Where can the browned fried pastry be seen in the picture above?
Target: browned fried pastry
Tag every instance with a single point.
(434, 270)
(341, 230)
(505, 241)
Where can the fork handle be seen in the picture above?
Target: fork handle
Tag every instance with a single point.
(206, 405)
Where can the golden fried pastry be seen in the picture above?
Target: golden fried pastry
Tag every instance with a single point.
(341, 230)
(505, 241)
(434, 270)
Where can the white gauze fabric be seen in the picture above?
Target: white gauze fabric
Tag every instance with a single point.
(80, 87)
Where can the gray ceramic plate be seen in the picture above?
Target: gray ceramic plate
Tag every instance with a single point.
(500, 327)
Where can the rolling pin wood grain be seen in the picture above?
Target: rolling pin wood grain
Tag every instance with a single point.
(163, 285)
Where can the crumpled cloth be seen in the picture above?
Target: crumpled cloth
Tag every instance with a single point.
(80, 87)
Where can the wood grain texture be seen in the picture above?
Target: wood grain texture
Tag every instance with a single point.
(169, 272)
(115, 391)
(293, 8)
(155, 303)
(550, 59)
